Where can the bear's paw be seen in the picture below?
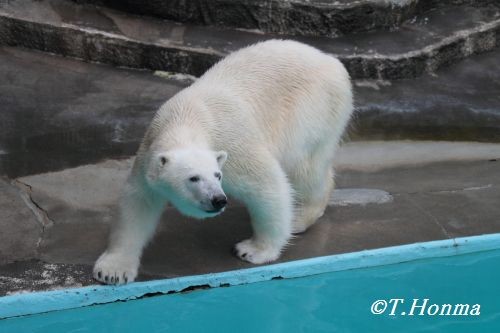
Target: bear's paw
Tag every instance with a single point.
(255, 252)
(116, 268)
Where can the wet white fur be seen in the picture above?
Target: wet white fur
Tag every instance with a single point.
(278, 109)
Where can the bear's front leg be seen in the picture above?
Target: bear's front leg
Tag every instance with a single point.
(139, 215)
(267, 195)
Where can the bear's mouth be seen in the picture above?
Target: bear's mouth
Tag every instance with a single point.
(214, 211)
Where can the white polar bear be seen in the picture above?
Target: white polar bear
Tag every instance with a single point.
(276, 110)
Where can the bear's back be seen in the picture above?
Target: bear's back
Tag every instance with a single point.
(262, 67)
(278, 78)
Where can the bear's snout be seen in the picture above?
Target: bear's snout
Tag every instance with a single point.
(219, 202)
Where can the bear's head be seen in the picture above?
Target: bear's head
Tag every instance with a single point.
(190, 179)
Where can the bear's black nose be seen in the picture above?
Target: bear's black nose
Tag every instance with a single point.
(219, 202)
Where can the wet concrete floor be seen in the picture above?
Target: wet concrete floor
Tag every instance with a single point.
(58, 113)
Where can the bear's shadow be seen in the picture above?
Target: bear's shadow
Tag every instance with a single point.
(185, 246)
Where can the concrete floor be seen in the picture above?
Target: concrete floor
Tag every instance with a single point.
(57, 223)
(68, 129)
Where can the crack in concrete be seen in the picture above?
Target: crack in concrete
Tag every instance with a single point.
(431, 216)
(458, 190)
(40, 214)
(465, 189)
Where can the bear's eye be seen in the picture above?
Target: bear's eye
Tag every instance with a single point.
(218, 175)
(163, 160)
(194, 179)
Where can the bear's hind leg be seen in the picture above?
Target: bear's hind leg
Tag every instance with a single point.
(267, 195)
(313, 190)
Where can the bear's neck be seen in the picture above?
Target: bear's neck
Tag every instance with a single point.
(183, 122)
(184, 136)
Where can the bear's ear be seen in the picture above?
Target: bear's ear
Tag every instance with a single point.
(221, 157)
(163, 159)
(154, 166)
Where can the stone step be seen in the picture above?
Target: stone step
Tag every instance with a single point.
(104, 35)
(58, 112)
(329, 18)
(455, 103)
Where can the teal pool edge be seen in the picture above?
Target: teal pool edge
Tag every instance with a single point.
(40, 302)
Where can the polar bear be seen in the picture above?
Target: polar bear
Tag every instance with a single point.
(261, 126)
